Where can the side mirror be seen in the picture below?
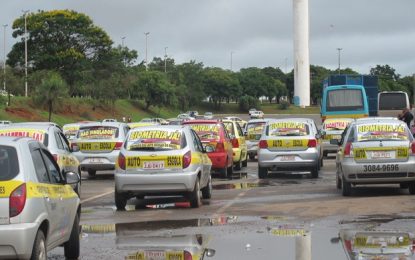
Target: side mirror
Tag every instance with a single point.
(75, 149)
(334, 141)
(318, 136)
(210, 252)
(209, 149)
(245, 133)
(71, 177)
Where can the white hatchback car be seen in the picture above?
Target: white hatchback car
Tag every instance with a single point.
(38, 209)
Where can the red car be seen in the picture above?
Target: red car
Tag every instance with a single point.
(213, 133)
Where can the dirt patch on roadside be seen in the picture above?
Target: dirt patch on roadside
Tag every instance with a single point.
(23, 113)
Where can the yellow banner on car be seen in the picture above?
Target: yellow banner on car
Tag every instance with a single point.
(291, 125)
(291, 232)
(96, 146)
(288, 143)
(98, 133)
(148, 255)
(37, 134)
(361, 153)
(155, 134)
(37, 190)
(205, 127)
(339, 124)
(135, 162)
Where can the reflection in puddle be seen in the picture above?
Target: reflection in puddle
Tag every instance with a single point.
(250, 185)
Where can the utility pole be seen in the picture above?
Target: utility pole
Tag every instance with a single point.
(231, 60)
(165, 59)
(25, 51)
(4, 58)
(339, 50)
(146, 34)
(122, 41)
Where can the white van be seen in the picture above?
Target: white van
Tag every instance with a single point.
(391, 103)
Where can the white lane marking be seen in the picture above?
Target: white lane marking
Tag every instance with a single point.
(231, 202)
(97, 196)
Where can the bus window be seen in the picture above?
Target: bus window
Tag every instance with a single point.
(393, 101)
(344, 99)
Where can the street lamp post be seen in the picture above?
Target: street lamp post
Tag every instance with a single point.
(4, 58)
(146, 34)
(122, 41)
(231, 60)
(25, 50)
(165, 59)
(339, 50)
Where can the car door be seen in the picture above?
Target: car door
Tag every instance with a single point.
(45, 189)
(205, 161)
(68, 161)
(242, 142)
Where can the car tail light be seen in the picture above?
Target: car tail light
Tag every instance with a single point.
(413, 147)
(348, 245)
(348, 150)
(73, 145)
(17, 201)
(121, 161)
(55, 157)
(220, 147)
(263, 144)
(312, 143)
(413, 246)
(187, 159)
(235, 143)
(187, 255)
(118, 145)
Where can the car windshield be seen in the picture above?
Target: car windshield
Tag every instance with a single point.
(254, 130)
(155, 140)
(207, 131)
(98, 132)
(386, 131)
(288, 129)
(9, 164)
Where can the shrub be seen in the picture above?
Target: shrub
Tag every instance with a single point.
(284, 105)
(248, 102)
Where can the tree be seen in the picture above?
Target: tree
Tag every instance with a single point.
(253, 82)
(219, 84)
(14, 83)
(50, 91)
(62, 40)
(384, 72)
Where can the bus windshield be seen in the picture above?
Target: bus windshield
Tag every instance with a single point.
(344, 99)
(392, 101)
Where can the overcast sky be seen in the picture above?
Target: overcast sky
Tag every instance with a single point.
(258, 32)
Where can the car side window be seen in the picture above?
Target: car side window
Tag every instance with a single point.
(65, 142)
(350, 137)
(196, 141)
(239, 129)
(58, 141)
(40, 168)
(53, 169)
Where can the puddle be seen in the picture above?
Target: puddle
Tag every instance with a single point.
(239, 186)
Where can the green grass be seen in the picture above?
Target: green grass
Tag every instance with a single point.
(78, 109)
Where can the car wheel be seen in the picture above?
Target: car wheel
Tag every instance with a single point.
(71, 247)
(238, 165)
(325, 154)
(251, 156)
(222, 172)
(39, 248)
(245, 163)
(346, 187)
(411, 187)
(207, 191)
(120, 200)
(195, 196)
(92, 173)
(262, 172)
(229, 172)
(314, 171)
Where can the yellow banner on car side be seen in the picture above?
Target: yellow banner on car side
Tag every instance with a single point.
(287, 143)
(291, 125)
(96, 146)
(360, 153)
(37, 190)
(37, 134)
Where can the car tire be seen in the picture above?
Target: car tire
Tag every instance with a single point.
(207, 191)
(245, 163)
(195, 196)
(346, 187)
(411, 188)
(325, 154)
(39, 251)
(314, 171)
(262, 172)
(238, 165)
(222, 172)
(251, 156)
(229, 172)
(120, 201)
(71, 247)
(92, 173)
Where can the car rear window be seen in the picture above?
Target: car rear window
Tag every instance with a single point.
(155, 140)
(98, 132)
(36, 134)
(389, 132)
(254, 130)
(9, 164)
(229, 127)
(288, 129)
(207, 131)
(335, 124)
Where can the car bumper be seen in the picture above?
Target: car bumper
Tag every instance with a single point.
(275, 159)
(252, 147)
(237, 155)
(159, 183)
(16, 240)
(327, 147)
(97, 161)
(218, 160)
(355, 172)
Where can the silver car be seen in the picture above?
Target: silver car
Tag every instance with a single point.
(373, 151)
(253, 131)
(163, 160)
(98, 145)
(289, 144)
(333, 128)
(38, 209)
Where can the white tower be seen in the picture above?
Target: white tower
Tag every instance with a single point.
(301, 54)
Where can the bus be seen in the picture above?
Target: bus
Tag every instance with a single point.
(391, 103)
(344, 101)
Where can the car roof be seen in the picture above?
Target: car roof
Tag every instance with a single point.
(159, 127)
(390, 120)
(205, 121)
(32, 125)
(338, 119)
(259, 120)
(301, 120)
(113, 124)
(15, 140)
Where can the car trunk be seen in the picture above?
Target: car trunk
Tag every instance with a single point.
(154, 161)
(289, 143)
(4, 210)
(381, 151)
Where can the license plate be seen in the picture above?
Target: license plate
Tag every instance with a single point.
(383, 154)
(96, 160)
(338, 137)
(154, 165)
(285, 158)
(155, 255)
(381, 168)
